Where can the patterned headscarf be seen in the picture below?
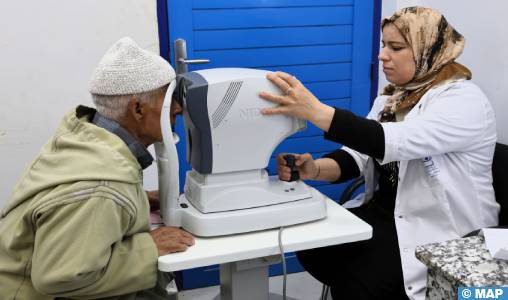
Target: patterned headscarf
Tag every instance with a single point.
(435, 46)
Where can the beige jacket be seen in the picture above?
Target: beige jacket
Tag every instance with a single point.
(76, 225)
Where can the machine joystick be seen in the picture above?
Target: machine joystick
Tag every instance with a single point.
(290, 162)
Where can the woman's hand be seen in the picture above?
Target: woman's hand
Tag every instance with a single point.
(297, 101)
(304, 163)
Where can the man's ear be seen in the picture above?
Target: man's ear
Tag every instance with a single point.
(136, 108)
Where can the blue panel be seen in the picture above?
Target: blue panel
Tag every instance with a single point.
(330, 89)
(271, 17)
(362, 53)
(327, 44)
(180, 25)
(201, 277)
(292, 265)
(162, 22)
(207, 4)
(276, 56)
(270, 37)
(376, 35)
(317, 184)
(316, 73)
(307, 144)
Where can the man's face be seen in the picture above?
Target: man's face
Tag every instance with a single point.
(176, 109)
(151, 124)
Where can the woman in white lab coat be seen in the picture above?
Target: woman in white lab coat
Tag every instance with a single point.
(425, 150)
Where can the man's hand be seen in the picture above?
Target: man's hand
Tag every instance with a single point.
(153, 200)
(171, 239)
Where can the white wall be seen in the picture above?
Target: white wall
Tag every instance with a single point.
(485, 27)
(48, 50)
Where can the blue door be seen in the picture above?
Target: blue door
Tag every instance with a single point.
(326, 44)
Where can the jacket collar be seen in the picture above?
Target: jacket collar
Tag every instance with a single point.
(137, 149)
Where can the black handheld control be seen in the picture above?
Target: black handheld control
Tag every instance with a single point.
(290, 162)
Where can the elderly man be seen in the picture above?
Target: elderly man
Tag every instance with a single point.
(77, 224)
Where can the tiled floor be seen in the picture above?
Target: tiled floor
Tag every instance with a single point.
(300, 286)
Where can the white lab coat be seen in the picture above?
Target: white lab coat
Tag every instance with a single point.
(445, 146)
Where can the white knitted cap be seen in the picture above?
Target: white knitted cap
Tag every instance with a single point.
(128, 69)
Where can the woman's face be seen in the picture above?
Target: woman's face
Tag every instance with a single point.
(397, 56)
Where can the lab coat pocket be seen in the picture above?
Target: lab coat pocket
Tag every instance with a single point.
(443, 214)
(424, 203)
(426, 200)
(416, 197)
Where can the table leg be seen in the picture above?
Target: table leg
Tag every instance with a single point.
(246, 280)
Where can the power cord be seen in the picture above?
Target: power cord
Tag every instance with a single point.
(281, 248)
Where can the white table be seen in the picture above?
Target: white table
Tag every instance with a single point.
(244, 258)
